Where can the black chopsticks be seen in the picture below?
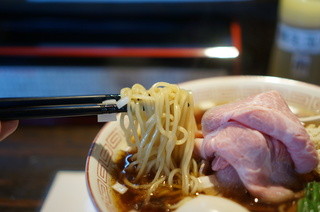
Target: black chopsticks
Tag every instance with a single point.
(54, 107)
(63, 100)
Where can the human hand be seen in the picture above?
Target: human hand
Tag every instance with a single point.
(7, 127)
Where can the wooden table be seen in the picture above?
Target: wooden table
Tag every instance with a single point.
(31, 156)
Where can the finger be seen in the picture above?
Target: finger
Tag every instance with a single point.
(7, 128)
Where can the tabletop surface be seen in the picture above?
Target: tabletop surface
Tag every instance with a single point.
(33, 154)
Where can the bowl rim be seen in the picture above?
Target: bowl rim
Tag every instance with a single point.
(88, 185)
(255, 78)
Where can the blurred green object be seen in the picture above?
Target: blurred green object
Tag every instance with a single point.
(311, 200)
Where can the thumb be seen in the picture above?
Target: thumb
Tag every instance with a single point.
(7, 127)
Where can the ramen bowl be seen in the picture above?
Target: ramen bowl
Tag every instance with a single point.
(110, 140)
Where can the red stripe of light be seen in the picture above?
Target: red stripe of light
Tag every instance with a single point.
(236, 36)
(101, 52)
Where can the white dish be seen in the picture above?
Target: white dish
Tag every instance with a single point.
(220, 89)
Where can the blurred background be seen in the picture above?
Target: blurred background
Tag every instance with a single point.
(74, 47)
(83, 47)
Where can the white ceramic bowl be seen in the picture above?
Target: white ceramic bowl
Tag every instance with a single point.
(221, 89)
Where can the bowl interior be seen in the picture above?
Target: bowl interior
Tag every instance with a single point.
(110, 139)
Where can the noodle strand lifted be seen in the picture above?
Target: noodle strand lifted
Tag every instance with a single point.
(160, 127)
